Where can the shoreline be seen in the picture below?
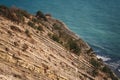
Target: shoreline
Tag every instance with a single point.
(112, 63)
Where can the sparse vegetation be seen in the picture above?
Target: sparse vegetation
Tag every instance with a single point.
(66, 41)
(73, 46)
(40, 28)
(25, 47)
(56, 26)
(55, 38)
(95, 63)
(31, 24)
(35, 20)
(49, 34)
(57, 33)
(107, 70)
(27, 33)
(14, 14)
(95, 72)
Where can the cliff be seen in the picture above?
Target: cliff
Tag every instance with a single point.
(39, 47)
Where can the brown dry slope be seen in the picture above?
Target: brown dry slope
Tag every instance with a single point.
(43, 48)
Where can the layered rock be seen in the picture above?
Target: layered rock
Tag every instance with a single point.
(31, 53)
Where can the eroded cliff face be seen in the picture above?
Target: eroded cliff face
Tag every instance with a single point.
(41, 52)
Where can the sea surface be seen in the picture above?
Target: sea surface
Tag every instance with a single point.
(95, 21)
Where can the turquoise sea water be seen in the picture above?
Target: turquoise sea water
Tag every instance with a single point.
(95, 21)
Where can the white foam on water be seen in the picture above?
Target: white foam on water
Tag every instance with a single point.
(104, 58)
(119, 70)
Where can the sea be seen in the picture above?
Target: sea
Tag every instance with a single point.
(96, 21)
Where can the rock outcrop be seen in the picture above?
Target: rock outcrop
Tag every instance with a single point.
(45, 49)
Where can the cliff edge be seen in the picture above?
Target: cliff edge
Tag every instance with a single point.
(39, 47)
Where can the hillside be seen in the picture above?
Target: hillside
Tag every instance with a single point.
(39, 47)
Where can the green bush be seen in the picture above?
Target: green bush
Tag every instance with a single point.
(40, 15)
(56, 26)
(95, 63)
(13, 13)
(20, 17)
(40, 28)
(73, 46)
(31, 24)
(107, 70)
(49, 34)
(27, 33)
(55, 38)
(95, 72)
(23, 13)
(35, 20)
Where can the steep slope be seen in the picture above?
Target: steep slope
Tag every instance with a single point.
(43, 48)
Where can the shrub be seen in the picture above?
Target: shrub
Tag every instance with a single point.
(56, 26)
(55, 38)
(49, 34)
(23, 13)
(40, 28)
(13, 13)
(35, 20)
(31, 24)
(40, 15)
(106, 69)
(25, 47)
(27, 33)
(19, 17)
(95, 72)
(4, 10)
(95, 63)
(73, 46)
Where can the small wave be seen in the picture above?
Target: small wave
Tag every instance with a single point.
(104, 58)
(119, 70)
